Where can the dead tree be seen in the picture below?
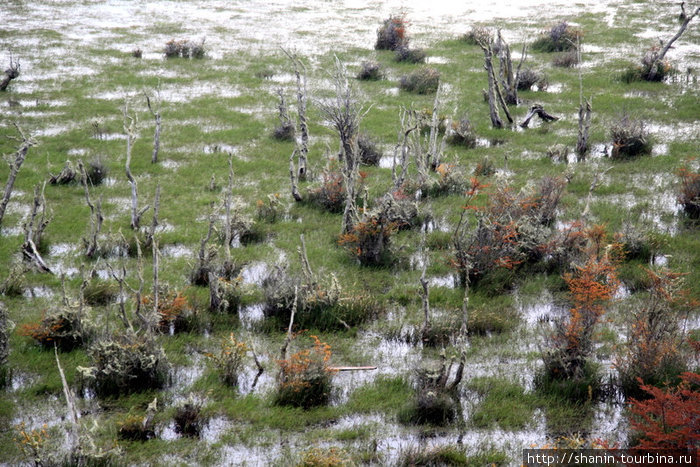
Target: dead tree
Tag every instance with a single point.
(96, 217)
(121, 280)
(584, 112)
(509, 77)
(539, 111)
(345, 113)
(434, 151)
(130, 131)
(4, 342)
(658, 57)
(493, 90)
(285, 130)
(300, 73)
(409, 124)
(11, 73)
(293, 177)
(15, 165)
(34, 229)
(150, 235)
(65, 176)
(425, 295)
(156, 136)
(228, 200)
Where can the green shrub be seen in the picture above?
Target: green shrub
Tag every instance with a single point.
(422, 81)
(126, 364)
(462, 133)
(558, 39)
(392, 34)
(477, 35)
(629, 139)
(370, 71)
(229, 359)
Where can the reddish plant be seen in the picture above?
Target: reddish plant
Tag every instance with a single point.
(305, 376)
(670, 418)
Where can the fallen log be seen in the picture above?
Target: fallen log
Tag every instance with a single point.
(352, 368)
(538, 110)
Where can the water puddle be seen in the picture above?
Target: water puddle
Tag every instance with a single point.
(251, 315)
(176, 251)
(220, 148)
(449, 281)
(254, 273)
(40, 291)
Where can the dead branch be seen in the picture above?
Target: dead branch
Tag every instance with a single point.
(425, 295)
(293, 177)
(305, 265)
(150, 235)
(594, 185)
(496, 121)
(227, 206)
(156, 137)
(19, 156)
(290, 336)
(130, 131)
(658, 58)
(11, 73)
(65, 176)
(509, 78)
(409, 124)
(70, 402)
(300, 73)
(121, 281)
(96, 217)
(345, 113)
(584, 112)
(156, 287)
(33, 230)
(538, 110)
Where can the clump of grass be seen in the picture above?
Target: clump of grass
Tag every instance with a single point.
(229, 360)
(305, 377)
(392, 34)
(529, 78)
(370, 154)
(284, 131)
(100, 292)
(559, 38)
(462, 133)
(330, 194)
(135, 428)
(137, 52)
(184, 49)
(650, 69)
(451, 180)
(4, 347)
(629, 139)
(441, 455)
(422, 81)
(484, 168)
(568, 59)
(96, 171)
(318, 305)
(689, 192)
(270, 210)
(326, 457)
(408, 55)
(15, 282)
(370, 70)
(62, 327)
(126, 364)
(188, 419)
(477, 35)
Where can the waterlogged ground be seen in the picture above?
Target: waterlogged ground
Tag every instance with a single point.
(77, 72)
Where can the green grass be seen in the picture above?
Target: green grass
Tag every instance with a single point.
(241, 113)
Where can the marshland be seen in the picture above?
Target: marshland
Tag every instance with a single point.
(345, 233)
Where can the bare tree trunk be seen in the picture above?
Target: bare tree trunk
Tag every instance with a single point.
(150, 236)
(426, 292)
(20, 155)
(121, 280)
(300, 73)
(96, 218)
(130, 130)
(659, 58)
(509, 78)
(10, 74)
(288, 339)
(409, 124)
(293, 177)
(33, 231)
(156, 265)
(584, 112)
(496, 121)
(346, 114)
(156, 136)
